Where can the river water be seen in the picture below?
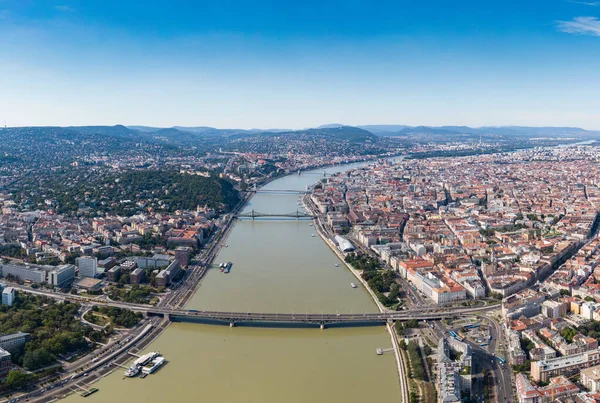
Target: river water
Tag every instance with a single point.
(277, 266)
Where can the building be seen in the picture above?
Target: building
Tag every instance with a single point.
(182, 253)
(559, 387)
(454, 376)
(88, 284)
(161, 279)
(8, 296)
(62, 275)
(137, 276)
(114, 273)
(590, 378)
(88, 266)
(23, 272)
(166, 276)
(13, 342)
(343, 244)
(155, 262)
(107, 263)
(5, 363)
(554, 309)
(570, 365)
(55, 275)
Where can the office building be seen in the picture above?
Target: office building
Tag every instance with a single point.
(137, 276)
(5, 363)
(182, 253)
(8, 296)
(570, 365)
(62, 275)
(88, 266)
(13, 342)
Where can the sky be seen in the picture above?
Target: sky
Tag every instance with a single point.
(297, 64)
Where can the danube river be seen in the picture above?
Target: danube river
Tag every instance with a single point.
(277, 266)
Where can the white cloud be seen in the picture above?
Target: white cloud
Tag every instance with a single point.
(587, 3)
(65, 9)
(580, 26)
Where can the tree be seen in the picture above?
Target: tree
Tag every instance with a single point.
(124, 279)
(17, 379)
(37, 358)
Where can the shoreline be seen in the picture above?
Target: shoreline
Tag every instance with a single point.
(402, 379)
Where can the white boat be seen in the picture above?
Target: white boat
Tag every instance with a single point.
(353, 285)
(153, 365)
(313, 235)
(132, 371)
(337, 265)
(137, 365)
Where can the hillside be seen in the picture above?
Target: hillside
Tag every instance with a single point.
(343, 133)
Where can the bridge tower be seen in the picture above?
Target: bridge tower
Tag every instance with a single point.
(255, 188)
(252, 215)
(324, 173)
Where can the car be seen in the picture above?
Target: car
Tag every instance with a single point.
(86, 374)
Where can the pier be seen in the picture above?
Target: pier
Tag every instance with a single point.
(381, 351)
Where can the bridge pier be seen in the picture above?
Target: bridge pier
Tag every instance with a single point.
(231, 324)
(322, 326)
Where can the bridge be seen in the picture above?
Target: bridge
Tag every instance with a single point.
(321, 320)
(280, 191)
(255, 214)
(274, 319)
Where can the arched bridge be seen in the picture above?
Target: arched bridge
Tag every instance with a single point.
(255, 214)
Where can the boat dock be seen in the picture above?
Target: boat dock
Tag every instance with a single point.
(380, 351)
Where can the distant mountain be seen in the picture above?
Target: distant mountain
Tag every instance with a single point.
(461, 131)
(425, 130)
(355, 134)
(383, 130)
(539, 131)
(144, 129)
(330, 126)
(116, 131)
(348, 133)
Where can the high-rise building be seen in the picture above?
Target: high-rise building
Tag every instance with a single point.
(182, 253)
(88, 266)
(61, 275)
(8, 296)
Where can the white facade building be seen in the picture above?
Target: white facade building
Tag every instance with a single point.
(88, 266)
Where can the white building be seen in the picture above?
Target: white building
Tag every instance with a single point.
(8, 296)
(61, 275)
(88, 266)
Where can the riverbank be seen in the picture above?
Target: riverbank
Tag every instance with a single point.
(402, 379)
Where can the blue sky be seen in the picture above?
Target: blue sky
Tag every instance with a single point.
(291, 64)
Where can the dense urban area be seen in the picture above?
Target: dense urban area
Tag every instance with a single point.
(482, 248)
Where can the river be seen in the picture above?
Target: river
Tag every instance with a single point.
(277, 266)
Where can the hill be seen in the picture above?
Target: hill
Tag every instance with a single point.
(344, 133)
